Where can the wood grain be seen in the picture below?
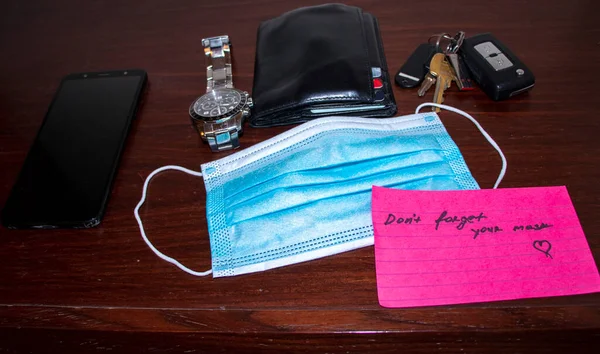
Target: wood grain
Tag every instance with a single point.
(102, 289)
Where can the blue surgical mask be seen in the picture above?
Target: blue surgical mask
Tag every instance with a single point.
(306, 193)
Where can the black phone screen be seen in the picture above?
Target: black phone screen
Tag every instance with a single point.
(66, 178)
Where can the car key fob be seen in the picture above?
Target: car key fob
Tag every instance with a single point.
(414, 70)
(498, 72)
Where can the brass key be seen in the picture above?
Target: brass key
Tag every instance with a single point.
(443, 81)
(430, 78)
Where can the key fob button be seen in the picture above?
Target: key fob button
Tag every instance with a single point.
(499, 62)
(486, 49)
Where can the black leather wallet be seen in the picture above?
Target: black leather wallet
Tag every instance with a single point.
(320, 61)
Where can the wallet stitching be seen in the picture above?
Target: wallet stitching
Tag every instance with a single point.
(379, 43)
(366, 50)
(388, 90)
(388, 109)
(316, 99)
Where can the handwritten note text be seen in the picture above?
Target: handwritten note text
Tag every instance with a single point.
(450, 247)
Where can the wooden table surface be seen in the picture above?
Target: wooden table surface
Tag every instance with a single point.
(103, 290)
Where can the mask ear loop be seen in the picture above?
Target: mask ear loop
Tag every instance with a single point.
(485, 134)
(139, 220)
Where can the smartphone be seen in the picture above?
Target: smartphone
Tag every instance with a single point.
(68, 173)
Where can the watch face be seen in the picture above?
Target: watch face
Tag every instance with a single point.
(218, 103)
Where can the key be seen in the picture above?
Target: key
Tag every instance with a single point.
(463, 79)
(430, 78)
(444, 79)
(428, 81)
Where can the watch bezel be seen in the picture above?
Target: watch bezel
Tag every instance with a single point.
(229, 114)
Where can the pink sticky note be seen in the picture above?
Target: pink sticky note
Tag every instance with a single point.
(453, 247)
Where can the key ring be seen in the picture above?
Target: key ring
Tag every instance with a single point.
(457, 42)
(439, 37)
(453, 45)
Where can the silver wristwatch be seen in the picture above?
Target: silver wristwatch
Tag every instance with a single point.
(219, 115)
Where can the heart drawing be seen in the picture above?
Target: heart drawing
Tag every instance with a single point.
(543, 246)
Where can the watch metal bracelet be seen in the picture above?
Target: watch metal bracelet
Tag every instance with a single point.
(218, 62)
(223, 141)
(223, 136)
